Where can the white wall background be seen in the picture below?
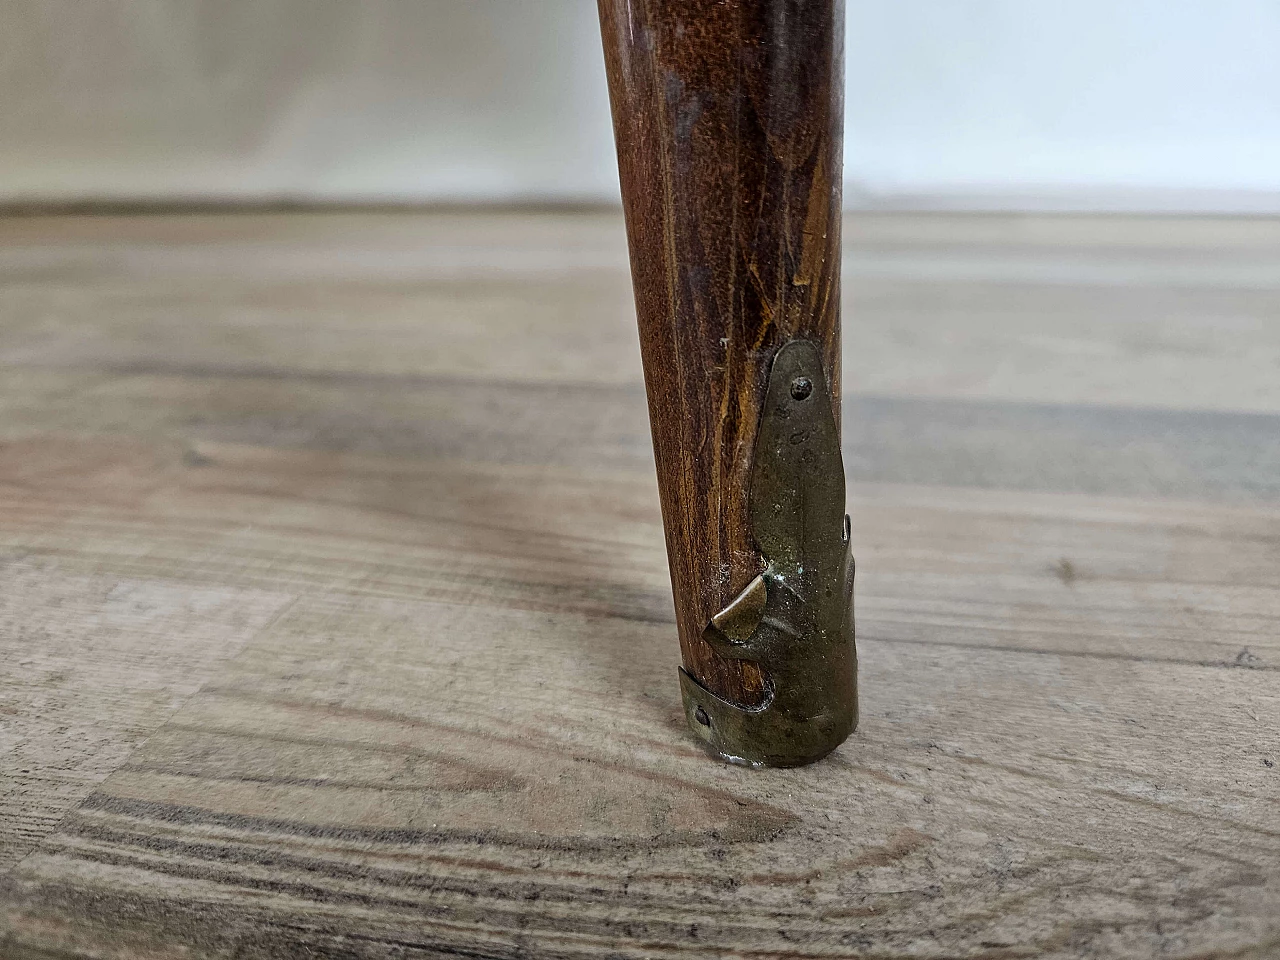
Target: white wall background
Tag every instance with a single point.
(1157, 104)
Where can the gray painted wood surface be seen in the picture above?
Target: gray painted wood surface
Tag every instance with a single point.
(335, 619)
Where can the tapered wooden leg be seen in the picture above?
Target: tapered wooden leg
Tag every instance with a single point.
(728, 117)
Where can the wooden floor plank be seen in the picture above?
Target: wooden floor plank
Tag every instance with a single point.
(334, 616)
(92, 666)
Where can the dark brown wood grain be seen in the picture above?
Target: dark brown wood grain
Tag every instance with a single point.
(728, 118)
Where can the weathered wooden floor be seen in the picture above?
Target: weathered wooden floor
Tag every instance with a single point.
(334, 619)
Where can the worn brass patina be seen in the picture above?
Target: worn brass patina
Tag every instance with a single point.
(796, 618)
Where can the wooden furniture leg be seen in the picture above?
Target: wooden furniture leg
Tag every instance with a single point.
(728, 116)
